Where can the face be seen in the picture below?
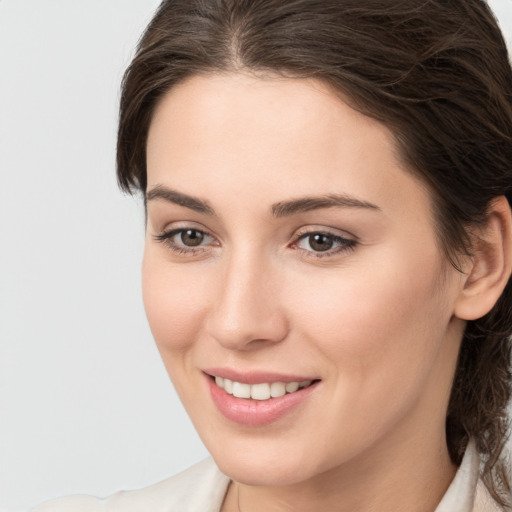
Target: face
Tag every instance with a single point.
(287, 246)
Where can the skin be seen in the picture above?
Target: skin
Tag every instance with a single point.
(376, 318)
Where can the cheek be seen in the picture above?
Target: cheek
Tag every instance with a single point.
(380, 337)
(378, 322)
(173, 299)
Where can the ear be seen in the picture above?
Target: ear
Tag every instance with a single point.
(488, 270)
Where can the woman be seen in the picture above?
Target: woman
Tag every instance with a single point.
(328, 250)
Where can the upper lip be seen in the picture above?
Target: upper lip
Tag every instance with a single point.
(256, 377)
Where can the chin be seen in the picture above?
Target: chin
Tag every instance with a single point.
(249, 472)
(260, 468)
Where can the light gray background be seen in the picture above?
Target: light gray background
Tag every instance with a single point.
(85, 403)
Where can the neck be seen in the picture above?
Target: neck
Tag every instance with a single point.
(414, 480)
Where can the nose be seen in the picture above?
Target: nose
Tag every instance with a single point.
(247, 312)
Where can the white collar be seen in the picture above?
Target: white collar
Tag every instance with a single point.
(461, 494)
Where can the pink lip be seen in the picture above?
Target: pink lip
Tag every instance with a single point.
(256, 413)
(254, 377)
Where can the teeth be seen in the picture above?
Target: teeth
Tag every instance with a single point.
(262, 391)
(228, 386)
(277, 389)
(292, 386)
(241, 390)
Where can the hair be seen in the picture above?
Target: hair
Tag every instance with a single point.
(435, 72)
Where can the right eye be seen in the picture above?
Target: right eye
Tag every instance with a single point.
(190, 237)
(185, 240)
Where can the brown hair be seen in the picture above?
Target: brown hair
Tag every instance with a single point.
(436, 72)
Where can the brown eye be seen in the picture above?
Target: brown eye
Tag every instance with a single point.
(191, 237)
(183, 241)
(320, 242)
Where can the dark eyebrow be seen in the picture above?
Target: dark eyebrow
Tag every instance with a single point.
(281, 209)
(305, 204)
(172, 196)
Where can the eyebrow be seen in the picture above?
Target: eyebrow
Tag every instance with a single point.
(280, 209)
(305, 204)
(172, 196)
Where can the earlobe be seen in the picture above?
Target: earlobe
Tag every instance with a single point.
(490, 266)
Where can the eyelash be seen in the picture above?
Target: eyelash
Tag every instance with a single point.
(166, 238)
(345, 244)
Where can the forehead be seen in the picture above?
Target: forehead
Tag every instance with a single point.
(213, 104)
(272, 136)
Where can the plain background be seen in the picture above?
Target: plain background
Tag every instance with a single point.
(85, 403)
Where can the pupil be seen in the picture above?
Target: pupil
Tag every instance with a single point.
(320, 242)
(191, 237)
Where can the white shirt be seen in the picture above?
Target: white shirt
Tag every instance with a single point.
(202, 488)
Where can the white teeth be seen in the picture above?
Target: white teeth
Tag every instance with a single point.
(260, 391)
(277, 389)
(263, 391)
(241, 390)
(228, 386)
(292, 387)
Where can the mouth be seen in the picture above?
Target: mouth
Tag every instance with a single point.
(258, 399)
(261, 391)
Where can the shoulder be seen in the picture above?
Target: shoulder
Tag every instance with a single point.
(467, 492)
(201, 487)
(484, 501)
(72, 504)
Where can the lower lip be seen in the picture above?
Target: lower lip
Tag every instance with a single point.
(256, 413)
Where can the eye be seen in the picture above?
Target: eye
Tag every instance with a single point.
(185, 240)
(191, 237)
(319, 242)
(323, 242)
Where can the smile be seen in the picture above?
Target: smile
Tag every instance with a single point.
(261, 391)
(258, 399)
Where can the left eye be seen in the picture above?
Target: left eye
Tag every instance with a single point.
(322, 242)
